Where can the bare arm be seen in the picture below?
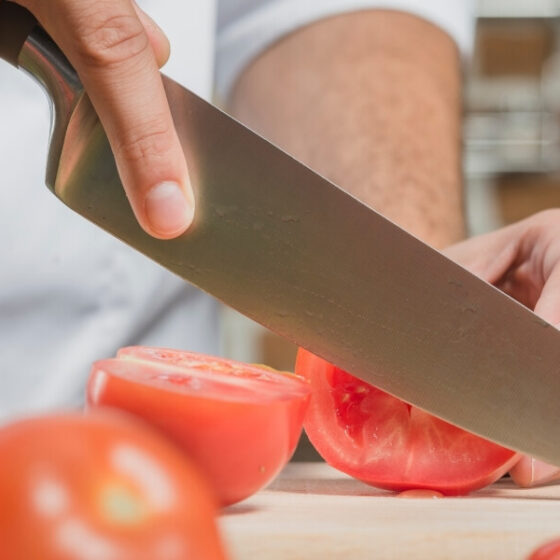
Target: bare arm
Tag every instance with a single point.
(372, 101)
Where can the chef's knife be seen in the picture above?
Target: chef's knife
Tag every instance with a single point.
(298, 254)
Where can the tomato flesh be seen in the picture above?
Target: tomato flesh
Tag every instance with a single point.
(388, 443)
(213, 377)
(239, 422)
(548, 551)
(101, 486)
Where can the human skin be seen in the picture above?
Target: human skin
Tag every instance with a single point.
(358, 101)
(355, 97)
(114, 47)
(388, 111)
(522, 260)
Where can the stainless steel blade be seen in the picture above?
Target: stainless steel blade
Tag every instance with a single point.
(299, 255)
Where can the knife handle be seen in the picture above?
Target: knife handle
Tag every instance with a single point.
(26, 45)
(16, 23)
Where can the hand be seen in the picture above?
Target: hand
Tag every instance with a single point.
(117, 50)
(522, 260)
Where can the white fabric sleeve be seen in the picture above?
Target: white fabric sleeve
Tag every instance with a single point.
(247, 27)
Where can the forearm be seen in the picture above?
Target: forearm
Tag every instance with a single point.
(372, 101)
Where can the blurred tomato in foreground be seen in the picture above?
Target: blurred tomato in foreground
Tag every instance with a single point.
(240, 423)
(388, 443)
(102, 487)
(548, 551)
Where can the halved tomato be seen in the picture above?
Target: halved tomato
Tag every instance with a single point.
(239, 422)
(101, 486)
(387, 443)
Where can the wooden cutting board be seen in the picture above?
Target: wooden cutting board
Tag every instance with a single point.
(312, 511)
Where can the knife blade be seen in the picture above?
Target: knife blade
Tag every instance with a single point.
(286, 247)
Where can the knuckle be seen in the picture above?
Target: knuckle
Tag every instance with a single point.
(152, 140)
(109, 40)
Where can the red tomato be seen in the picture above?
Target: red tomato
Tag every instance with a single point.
(387, 443)
(239, 422)
(549, 551)
(100, 487)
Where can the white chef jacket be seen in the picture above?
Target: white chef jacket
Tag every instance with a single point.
(69, 292)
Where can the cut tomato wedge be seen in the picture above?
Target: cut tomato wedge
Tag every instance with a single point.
(388, 443)
(239, 422)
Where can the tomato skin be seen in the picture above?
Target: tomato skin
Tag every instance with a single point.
(548, 551)
(103, 486)
(241, 432)
(389, 444)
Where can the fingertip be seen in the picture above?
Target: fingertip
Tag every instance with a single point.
(529, 472)
(168, 209)
(521, 473)
(544, 473)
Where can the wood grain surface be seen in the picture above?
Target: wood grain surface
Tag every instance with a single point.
(312, 511)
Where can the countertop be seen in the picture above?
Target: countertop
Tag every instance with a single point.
(312, 511)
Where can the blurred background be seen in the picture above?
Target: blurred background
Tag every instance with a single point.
(511, 139)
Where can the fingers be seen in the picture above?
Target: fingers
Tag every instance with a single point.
(116, 50)
(488, 256)
(531, 249)
(531, 472)
(158, 39)
(548, 304)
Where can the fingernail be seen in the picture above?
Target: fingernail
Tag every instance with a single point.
(167, 209)
(543, 472)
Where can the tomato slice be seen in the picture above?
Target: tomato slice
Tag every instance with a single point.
(387, 443)
(240, 422)
(548, 551)
(101, 486)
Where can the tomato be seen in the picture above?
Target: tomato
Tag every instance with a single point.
(387, 443)
(548, 551)
(100, 487)
(240, 422)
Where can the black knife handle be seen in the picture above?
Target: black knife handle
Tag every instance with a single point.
(16, 23)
